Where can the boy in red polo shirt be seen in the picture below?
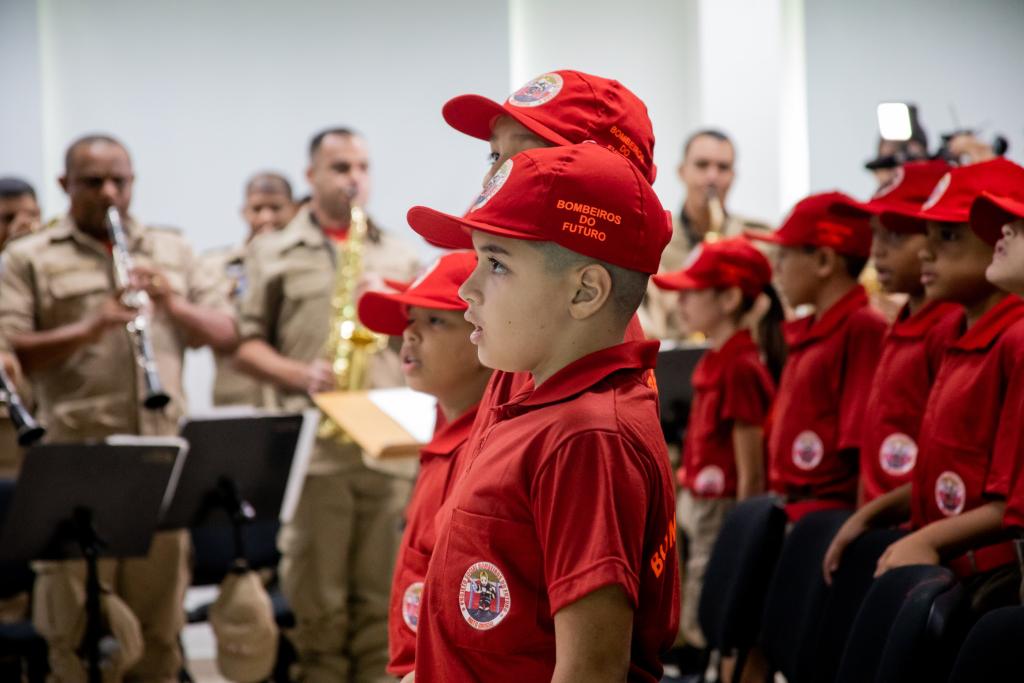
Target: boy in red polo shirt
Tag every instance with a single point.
(956, 500)
(555, 555)
(816, 431)
(438, 359)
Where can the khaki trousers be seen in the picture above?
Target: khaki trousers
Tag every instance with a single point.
(153, 587)
(338, 555)
(700, 520)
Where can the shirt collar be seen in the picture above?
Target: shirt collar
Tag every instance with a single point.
(916, 326)
(741, 342)
(806, 330)
(451, 436)
(583, 374)
(66, 228)
(988, 327)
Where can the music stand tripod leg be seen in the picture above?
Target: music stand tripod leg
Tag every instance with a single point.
(90, 544)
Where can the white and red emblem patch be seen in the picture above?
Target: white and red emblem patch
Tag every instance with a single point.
(493, 185)
(950, 493)
(483, 596)
(411, 600)
(710, 481)
(808, 450)
(537, 92)
(898, 454)
(937, 192)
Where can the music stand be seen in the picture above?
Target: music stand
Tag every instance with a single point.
(241, 464)
(71, 500)
(675, 391)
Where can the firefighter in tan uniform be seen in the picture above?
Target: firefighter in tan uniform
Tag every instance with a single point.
(62, 315)
(708, 162)
(339, 549)
(268, 208)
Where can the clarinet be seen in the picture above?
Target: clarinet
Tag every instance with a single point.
(138, 299)
(28, 429)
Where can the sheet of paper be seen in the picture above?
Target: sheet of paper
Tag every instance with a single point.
(416, 412)
(300, 463)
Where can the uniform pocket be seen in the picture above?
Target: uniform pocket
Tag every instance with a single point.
(74, 294)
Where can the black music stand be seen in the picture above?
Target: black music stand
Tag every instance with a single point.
(239, 464)
(90, 501)
(673, 373)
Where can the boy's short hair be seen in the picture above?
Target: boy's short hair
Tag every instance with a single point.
(628, 286)
(854, 265)
(11, 188)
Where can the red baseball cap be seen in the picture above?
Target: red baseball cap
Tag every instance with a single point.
(909, 188)
(829, 219)
(583, 197)
(951, 199)
(732, 262)
(565, 108)
(990, 212)
(437, 287)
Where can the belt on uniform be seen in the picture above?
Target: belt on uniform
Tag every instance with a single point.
(984, 559)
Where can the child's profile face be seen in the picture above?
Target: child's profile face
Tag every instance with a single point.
(1007, 268)
(509, 138)
(953, 263)
(795, 274)
(701, 310)
(515, 303)
(437, 356)
(896, 259)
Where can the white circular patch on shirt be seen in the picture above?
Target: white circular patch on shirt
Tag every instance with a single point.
(898, 454)
(808, 450)
(411, 600)
(483, 596)
(710, 481)
(493, 185)
(937, 192)
(537, 92)
(950, 493)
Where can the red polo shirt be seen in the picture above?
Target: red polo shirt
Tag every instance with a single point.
(433, 484)
(965, 458)
(729, 385)
(819, 407)
(568, 491)
(908, 365)
(1012, 435)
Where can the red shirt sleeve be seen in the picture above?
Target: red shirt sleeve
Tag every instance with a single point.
(863, 349)
(1008, 451)
(746, 393)
(590, 502)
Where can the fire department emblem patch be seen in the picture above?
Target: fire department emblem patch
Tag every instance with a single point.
(710, 481)
(537, 92)
(808, 450)
(493, 185)
(483, 596)
(411, 601)
(950, 493)
(898, 454)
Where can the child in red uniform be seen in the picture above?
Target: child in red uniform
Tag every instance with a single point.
(956, 500)
(555, 555)
(816, 430)
(438, 359)
(723, 452)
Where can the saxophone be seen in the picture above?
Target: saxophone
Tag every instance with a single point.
(716, 213)
(349, 345)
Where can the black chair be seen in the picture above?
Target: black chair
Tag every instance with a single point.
(900, 627)
(22, 650)
(797, 596)
(850, 583)
(738, 573)
(993, 647)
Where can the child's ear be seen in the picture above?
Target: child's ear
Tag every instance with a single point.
(593, 288)
(826, 262)
(731, 299)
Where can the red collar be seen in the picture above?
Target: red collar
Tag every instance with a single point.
(583, 374)
(809, 329)
(336, 234)
(918, 325)
(988, 327)
(740, 343)
(451, 436)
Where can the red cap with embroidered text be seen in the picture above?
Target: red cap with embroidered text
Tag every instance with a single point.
(583, 197)
(732, 262)
(829, 219)
(437, 287)
(565, 108)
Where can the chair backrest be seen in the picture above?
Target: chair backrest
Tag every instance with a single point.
(894, 615)
(15, 577)
(738, 573)
(994, 647)
(926, 635)
(214, 545)
(797, 594)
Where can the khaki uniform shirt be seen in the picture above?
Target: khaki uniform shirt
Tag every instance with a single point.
(223, 270)
(658, 314)
(288, 305)
(61, 275)
(10, 451)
